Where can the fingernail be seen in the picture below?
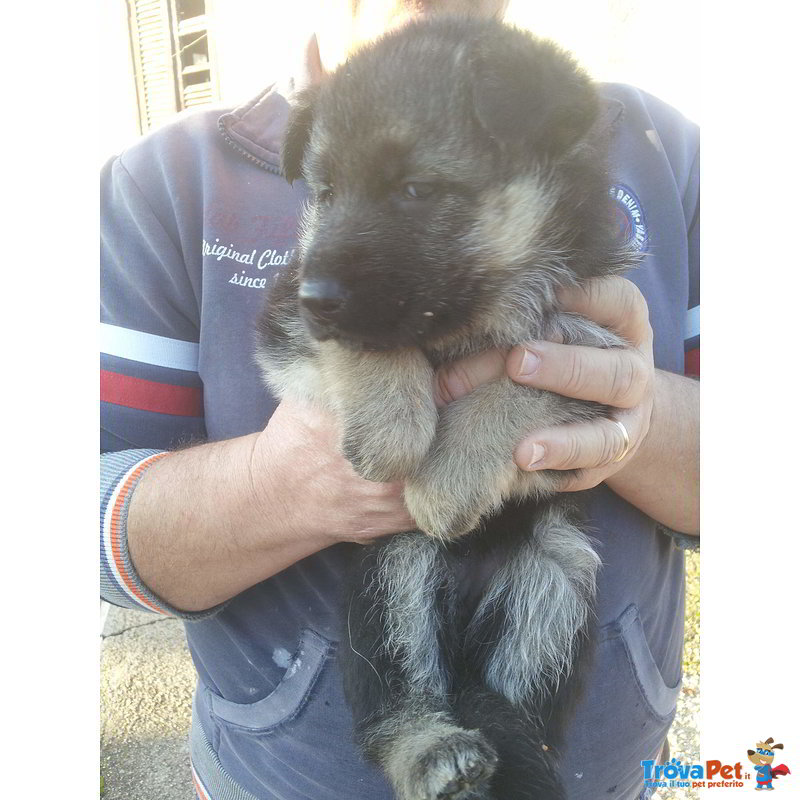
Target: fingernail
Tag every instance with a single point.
(536, 455)
(529, 364)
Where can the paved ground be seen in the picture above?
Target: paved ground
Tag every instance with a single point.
(684, 738)
(146, 688)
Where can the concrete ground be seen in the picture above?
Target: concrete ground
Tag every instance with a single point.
(146, 688)
(684, 736)
(146, 685)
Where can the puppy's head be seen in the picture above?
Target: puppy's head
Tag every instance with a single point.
(448, 166)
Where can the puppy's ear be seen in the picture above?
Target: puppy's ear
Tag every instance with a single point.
(298, 132)
(532, 94)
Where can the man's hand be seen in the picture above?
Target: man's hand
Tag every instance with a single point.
(320, 496)
(622, 378)
(659, 473)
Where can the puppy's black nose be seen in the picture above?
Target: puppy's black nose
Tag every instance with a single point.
(323, 298)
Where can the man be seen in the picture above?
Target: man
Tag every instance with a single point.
(245, 536)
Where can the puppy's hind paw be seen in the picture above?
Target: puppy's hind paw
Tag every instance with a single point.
(454, 767)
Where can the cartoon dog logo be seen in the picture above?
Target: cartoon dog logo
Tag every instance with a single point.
(762, 757)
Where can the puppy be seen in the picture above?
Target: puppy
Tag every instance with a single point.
(456, 182)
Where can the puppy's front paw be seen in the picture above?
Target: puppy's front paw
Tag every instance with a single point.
(442, 510)
(387, 447)
(455, 766)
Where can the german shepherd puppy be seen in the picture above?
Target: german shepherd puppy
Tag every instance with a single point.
(456, 181)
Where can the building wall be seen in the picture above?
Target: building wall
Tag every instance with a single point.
(648, 43)
(257, 40)
(119, 120)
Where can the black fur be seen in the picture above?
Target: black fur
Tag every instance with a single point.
(527, 740)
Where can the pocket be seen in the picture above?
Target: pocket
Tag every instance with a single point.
(623, 717)
(288, 698)
(660, 698)
(295, 743)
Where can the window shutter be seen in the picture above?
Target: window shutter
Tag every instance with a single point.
(173, 58)
(151, 39)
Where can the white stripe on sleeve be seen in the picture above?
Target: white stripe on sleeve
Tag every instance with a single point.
(149, 348)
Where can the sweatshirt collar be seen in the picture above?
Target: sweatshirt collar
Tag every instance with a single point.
(258, 125)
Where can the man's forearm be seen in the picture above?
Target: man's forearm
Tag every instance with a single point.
(199, 534)
(663, 477)
(205, 524)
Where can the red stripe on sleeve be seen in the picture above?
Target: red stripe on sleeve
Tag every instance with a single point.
(692, 363)
(163, 398)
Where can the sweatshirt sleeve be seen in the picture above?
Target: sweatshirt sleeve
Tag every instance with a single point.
(692, 206)
(681, 140)
(150, 390)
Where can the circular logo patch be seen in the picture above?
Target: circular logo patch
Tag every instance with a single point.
(629, 217)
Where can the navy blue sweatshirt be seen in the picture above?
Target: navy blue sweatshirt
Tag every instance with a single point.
(196, 220)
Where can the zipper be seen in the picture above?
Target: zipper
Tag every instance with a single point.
(265, 165)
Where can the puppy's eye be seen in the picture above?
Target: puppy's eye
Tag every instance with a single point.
(325, 194)
(418, 191)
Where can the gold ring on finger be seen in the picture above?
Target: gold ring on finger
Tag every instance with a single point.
(627, 441)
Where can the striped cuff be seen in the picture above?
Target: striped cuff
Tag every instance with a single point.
(119, 582)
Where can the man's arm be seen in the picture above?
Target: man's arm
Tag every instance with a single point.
(660, 411)
(207, 523)
(663, 478)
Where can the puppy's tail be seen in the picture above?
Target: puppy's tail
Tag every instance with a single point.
(527, 764)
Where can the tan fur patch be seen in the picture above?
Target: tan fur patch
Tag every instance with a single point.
(510, 219)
